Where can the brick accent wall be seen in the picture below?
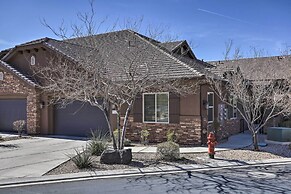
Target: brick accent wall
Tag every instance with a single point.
(188, 130)
(12, 87)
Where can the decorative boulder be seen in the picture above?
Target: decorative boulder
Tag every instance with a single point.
(116, 156)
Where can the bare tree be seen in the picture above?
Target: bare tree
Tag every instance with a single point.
(237, 54)
(106, 75)
(258, 100)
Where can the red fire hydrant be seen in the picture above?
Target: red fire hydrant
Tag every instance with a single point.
(211, 144)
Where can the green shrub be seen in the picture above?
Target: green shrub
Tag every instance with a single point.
(127, 142)
(168, 151)
(144, 134)
(19, 126)
(82, 159)
(171, 135)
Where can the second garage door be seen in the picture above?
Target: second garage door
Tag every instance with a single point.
(78, 119)
(10, 111)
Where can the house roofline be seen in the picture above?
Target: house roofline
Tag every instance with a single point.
(19, 75)
(169, 55)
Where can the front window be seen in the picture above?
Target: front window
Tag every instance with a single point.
(156, 107)
(210, 110)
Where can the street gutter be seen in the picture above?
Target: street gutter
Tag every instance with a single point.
(51, 179)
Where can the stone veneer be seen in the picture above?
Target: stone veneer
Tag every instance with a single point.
(13, 87)
(188, 130)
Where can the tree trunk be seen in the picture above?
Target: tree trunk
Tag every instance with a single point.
(110, 130)
(255, 142)
(118, 129)
(125, 123)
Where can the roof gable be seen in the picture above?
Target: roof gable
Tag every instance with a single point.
(18, 74)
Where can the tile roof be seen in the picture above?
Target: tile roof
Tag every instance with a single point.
(17, 73)
(117, 49)
(275, 67)
(170, 46)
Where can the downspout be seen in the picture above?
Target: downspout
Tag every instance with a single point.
(201, 118)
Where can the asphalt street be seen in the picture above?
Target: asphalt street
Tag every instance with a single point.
(262, 179)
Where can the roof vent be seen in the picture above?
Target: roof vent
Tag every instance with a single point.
(32, 60)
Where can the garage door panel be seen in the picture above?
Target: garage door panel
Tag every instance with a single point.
(10, 111)
(78, 119)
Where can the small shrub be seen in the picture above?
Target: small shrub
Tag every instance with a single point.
(82, 159)
(19, 126)
(168, 151)
(289, 146)
(144, 134)
(1, 138)
(115, 134)
(171, 135)
(127, 142)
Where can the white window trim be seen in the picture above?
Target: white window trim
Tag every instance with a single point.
(1, 75)
(210, 106)
(155, 93)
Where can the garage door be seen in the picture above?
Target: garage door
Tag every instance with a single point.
(10, 111)
(78, 119)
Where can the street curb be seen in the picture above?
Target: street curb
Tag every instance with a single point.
(132, 173)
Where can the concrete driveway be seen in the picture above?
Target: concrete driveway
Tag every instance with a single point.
(35, 156)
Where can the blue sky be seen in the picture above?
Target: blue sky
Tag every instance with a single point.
(207, 24)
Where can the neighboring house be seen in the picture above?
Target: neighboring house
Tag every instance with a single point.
(191, 116)
(258, 70)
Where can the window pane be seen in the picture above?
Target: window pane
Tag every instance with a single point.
(210, 99)
(149, 107)
(210, 114)
(162, 108)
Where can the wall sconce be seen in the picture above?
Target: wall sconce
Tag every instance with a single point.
(41, 104)
(205, 104)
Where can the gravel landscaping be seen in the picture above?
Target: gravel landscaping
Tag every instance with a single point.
(142, 160)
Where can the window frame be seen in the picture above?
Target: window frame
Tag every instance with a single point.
(212, 107)
(1, 75)
(233, 106)
(156, 120)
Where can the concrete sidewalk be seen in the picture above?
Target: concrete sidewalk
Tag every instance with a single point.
(234, 142)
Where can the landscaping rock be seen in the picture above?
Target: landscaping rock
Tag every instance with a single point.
(116, 156)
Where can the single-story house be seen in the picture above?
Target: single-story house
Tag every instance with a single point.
(191, 116)
(258, 69)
